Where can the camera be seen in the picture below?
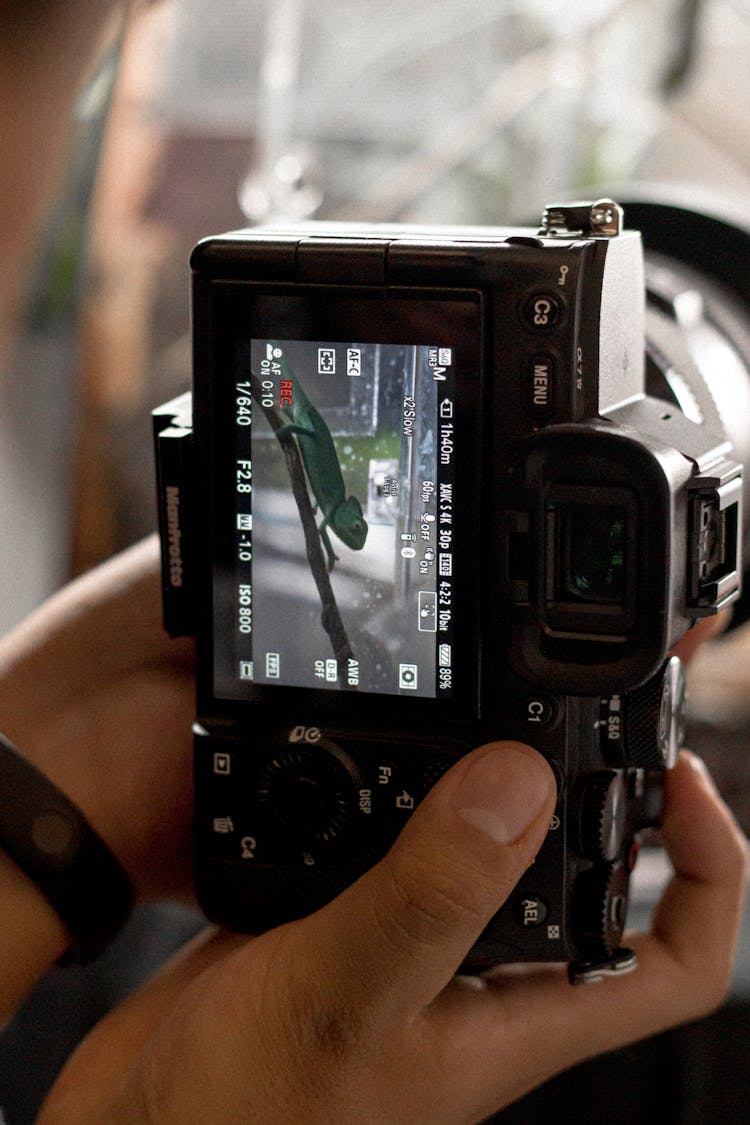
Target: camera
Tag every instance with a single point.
(434, 487)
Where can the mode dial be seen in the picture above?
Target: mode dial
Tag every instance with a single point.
(646, 727)
(599, 909)
(310, 791)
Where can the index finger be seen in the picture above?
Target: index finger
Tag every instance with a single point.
(684, 966)
(699, 915)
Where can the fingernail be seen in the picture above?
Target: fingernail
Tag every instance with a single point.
(503, 792)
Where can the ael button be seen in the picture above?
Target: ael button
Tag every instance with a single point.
(530, 910)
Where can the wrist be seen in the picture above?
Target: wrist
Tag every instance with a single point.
(32, 936)
(49, 839)
(48, 693)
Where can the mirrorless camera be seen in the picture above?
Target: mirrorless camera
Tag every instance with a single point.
(435, 487)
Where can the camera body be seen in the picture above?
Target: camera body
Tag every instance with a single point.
(421, 498)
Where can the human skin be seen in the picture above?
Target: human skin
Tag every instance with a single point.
(363, 994)
(356, 1013)
(101, 700)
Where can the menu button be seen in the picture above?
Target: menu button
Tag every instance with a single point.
(541, 378)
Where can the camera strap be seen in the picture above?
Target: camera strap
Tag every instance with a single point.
(51, 841)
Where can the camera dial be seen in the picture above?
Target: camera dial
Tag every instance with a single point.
(599, 908)
(604, 815)
(646, 727)
(310, 791)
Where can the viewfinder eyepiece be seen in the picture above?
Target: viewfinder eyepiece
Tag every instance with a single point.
(591, 555)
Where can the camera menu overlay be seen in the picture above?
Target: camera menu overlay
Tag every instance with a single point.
(343, 528)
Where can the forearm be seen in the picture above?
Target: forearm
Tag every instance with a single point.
(99, 700)
(32, 936)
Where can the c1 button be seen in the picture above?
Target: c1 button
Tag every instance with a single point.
(539, 711)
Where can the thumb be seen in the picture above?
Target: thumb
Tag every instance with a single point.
(401, 931)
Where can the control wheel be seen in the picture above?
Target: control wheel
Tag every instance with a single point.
(311, 791)
(646, 727)
(604, 815)
(599, 908)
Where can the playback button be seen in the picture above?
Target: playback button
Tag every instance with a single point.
(540, 385)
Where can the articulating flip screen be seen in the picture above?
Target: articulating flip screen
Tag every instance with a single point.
(343, 475)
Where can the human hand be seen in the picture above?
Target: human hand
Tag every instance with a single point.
(99, 698)
(95, 693)
(354, 1013)
(703, 631)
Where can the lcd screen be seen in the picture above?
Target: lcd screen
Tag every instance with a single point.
(343, 522)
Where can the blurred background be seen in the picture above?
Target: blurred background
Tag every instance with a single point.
(202, 117)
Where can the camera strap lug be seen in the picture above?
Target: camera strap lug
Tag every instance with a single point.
(601, 219)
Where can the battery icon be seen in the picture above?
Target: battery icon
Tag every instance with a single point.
(444, 656)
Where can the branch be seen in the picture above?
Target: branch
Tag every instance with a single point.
(330, 617)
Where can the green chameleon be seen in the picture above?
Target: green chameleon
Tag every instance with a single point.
(341, 513)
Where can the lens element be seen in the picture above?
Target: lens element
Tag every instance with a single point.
(592, 555)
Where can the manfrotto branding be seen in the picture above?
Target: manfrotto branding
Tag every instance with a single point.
(174, 536)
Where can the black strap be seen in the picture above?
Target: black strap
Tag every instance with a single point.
(54, 845)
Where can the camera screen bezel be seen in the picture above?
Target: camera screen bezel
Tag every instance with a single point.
(227, 311)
